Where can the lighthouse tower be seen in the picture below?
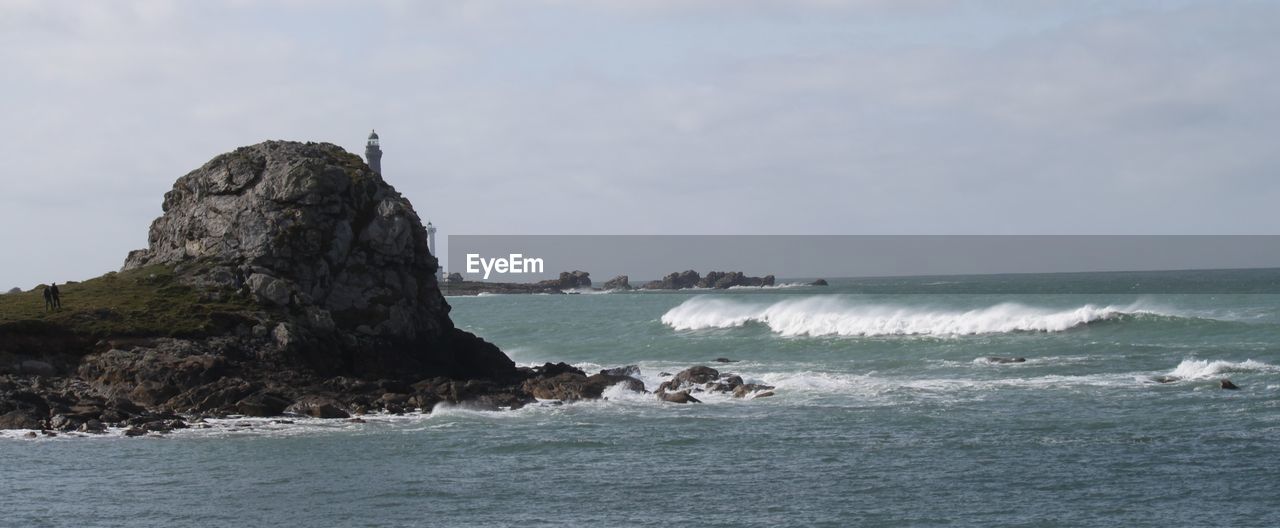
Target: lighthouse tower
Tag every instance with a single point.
(431, 246)
(373, 153)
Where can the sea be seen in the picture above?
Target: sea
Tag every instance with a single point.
(888, 410)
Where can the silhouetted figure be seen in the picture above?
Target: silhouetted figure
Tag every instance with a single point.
(48, 299)
(57, 299)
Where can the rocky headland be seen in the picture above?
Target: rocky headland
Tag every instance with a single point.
(282, 278)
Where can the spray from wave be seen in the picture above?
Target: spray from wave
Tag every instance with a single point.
(837, 316)
(1191, 369)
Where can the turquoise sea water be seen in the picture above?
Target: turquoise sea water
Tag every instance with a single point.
(885, 414)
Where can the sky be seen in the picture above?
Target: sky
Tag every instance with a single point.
(652, 117)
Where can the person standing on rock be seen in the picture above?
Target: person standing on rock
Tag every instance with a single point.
(53, 292)
(48, 299)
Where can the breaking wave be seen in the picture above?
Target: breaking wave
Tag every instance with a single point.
(1204, 368)
(828, 316)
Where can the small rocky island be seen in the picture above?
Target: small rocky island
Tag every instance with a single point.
(282, 278)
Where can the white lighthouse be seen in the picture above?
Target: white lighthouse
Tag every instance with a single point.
(431, 246)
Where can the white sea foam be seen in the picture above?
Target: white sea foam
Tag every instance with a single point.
(1204, 368)
(828, 315)
(778, 286)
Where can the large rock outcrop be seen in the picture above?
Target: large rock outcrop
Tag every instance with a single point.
(336, 254)
(282, 278)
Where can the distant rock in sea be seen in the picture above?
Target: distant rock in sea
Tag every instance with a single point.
(621, 282)
(569, 280)
(713, 280)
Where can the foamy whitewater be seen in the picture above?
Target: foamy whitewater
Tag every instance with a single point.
(846, 316)
(890, 409)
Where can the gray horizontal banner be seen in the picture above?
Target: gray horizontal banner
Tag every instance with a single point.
(533, 258)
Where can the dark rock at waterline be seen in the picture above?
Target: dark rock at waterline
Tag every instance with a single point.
(1165, 379)
(746, 389)
(819, 282)
(706, 379)
(764, 394)
(621, 282)
(318, 406)
(572, 386)
(724, 360)
(135, 431)
(262, 404)
(1228, 385)
(678, 397)
(696, 375)
(629, 370)
(1002, 360)
(555, 369)
(20, 420)
(92, 426)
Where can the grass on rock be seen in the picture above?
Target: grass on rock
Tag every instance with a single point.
(144, 302)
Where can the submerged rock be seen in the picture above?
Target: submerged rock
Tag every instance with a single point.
(678, 397)
(1226, 384)
(1001, 360)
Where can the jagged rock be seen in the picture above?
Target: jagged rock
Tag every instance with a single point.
(569, 280)
(675, 281)
(1226, 384)
(318, 406)
(621, 282)
(310, 224)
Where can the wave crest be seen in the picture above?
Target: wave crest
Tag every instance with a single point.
(827, 316)
(1205, 369)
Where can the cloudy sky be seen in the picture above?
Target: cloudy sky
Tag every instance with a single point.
(653, 116)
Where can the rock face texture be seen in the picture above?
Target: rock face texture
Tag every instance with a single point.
(309, 229)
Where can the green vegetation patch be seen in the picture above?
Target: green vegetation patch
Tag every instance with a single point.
(148, 302)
